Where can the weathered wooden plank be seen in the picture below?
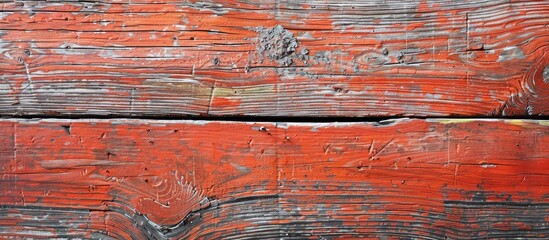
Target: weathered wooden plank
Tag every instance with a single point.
(429, 179)
(274, 58)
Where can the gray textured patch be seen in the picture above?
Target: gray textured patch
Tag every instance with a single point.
(216, 8)
(546, 74)
(98, 235)
(510, 53)
(304, 55)
(322, 57)
(277, 44)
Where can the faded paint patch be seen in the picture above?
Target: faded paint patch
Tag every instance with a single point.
(451, 121)
(515, 122)
(232, 92)
(216, 8)
(543, 123)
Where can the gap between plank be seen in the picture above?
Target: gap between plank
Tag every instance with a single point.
(234, 118)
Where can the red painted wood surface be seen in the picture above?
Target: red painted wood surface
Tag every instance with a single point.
(429, 179)
(160, 179)
(274, 58)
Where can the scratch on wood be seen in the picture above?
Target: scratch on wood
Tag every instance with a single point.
(212, 93)
(29, 79)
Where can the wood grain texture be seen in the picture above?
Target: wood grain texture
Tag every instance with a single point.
(274, 58)
(425, 179)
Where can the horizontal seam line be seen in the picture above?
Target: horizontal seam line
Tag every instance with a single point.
(238, 118)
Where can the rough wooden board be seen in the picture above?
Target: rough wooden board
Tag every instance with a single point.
(461, 179)
(353, 58)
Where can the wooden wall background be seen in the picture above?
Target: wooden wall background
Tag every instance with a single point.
(142, 119)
